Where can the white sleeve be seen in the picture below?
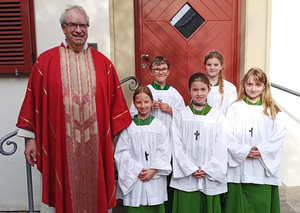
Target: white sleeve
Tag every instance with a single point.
(271, 150)
(162, 161)
(233, 95)
(216, 167)
(179, 104)
(128, 168)
(237, 152)
(182, 165)
(25, 133)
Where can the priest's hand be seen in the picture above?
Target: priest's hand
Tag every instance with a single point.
(30, 151)
(199, 173)
(146, 175)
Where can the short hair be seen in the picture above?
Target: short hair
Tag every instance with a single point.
(158, 60)
(142, 89)
(199, 77)
(62, 18)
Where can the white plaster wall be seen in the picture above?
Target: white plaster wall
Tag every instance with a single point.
(285, 71)
(13, 189)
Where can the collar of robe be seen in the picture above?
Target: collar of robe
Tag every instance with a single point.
(204, 111)
(217, 84)
(143, 122)
(158, 87)
(258, 103)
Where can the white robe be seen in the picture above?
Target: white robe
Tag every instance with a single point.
(208, 152)
(171, 97)
(267, 134)
(214, 97)
(130, 157)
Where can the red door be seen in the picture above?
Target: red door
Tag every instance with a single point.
(184, 31)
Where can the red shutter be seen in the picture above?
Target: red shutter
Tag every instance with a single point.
(17, 36)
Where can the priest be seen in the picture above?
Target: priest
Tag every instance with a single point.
(73, 106)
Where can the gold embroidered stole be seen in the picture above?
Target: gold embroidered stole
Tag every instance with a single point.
(79, 88)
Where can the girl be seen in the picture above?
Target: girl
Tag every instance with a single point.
(253, 176)
(143, 159)
(222, 93)
(199, 154)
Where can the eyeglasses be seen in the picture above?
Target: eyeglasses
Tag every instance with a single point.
(73, 26)
(157, 70)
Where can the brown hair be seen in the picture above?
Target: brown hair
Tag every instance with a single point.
(221, 77)
(142, 89)
(258, 75)
(158, 60)
(199, 77)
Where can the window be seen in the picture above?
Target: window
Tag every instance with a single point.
(17, 36)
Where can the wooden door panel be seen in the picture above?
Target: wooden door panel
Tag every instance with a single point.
(155, 35)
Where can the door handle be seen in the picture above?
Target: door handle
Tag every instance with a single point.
(145, 56)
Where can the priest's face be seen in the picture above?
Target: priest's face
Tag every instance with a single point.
(75, 29)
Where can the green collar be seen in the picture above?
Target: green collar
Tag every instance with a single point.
(204, 111)
(259, 102)
(142, 122)
(217, 84)
(157, 87)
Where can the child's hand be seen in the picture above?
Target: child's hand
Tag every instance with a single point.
(254, 153)
(199, 173)
(165, 108)
(156, 104)
(146, 174)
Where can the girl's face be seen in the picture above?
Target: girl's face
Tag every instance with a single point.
(213, 67)
(143, 103)
(199, 92)
(253, 90)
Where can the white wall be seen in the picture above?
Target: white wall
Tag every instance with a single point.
(13, 189)
(285, 71)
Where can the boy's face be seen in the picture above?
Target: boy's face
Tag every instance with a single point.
(160, 73)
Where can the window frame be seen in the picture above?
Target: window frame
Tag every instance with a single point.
(17, 51)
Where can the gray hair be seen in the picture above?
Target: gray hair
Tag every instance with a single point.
(62, 19)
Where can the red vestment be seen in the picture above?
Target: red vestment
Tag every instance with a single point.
(66, 148)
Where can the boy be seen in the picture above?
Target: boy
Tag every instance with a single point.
(167, 99)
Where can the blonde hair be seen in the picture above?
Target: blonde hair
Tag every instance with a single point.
(221, 77)
(258, 75)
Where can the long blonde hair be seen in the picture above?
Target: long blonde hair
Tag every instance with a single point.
(221, 77)
(268, 102)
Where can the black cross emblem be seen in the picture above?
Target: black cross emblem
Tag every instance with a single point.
(197, 134)
(251, 130)
(160, 100)
(146, 155)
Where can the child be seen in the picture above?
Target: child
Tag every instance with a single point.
(253, 176)
(167, 99)
(143, 159)
(199, 153)
(222, 93)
